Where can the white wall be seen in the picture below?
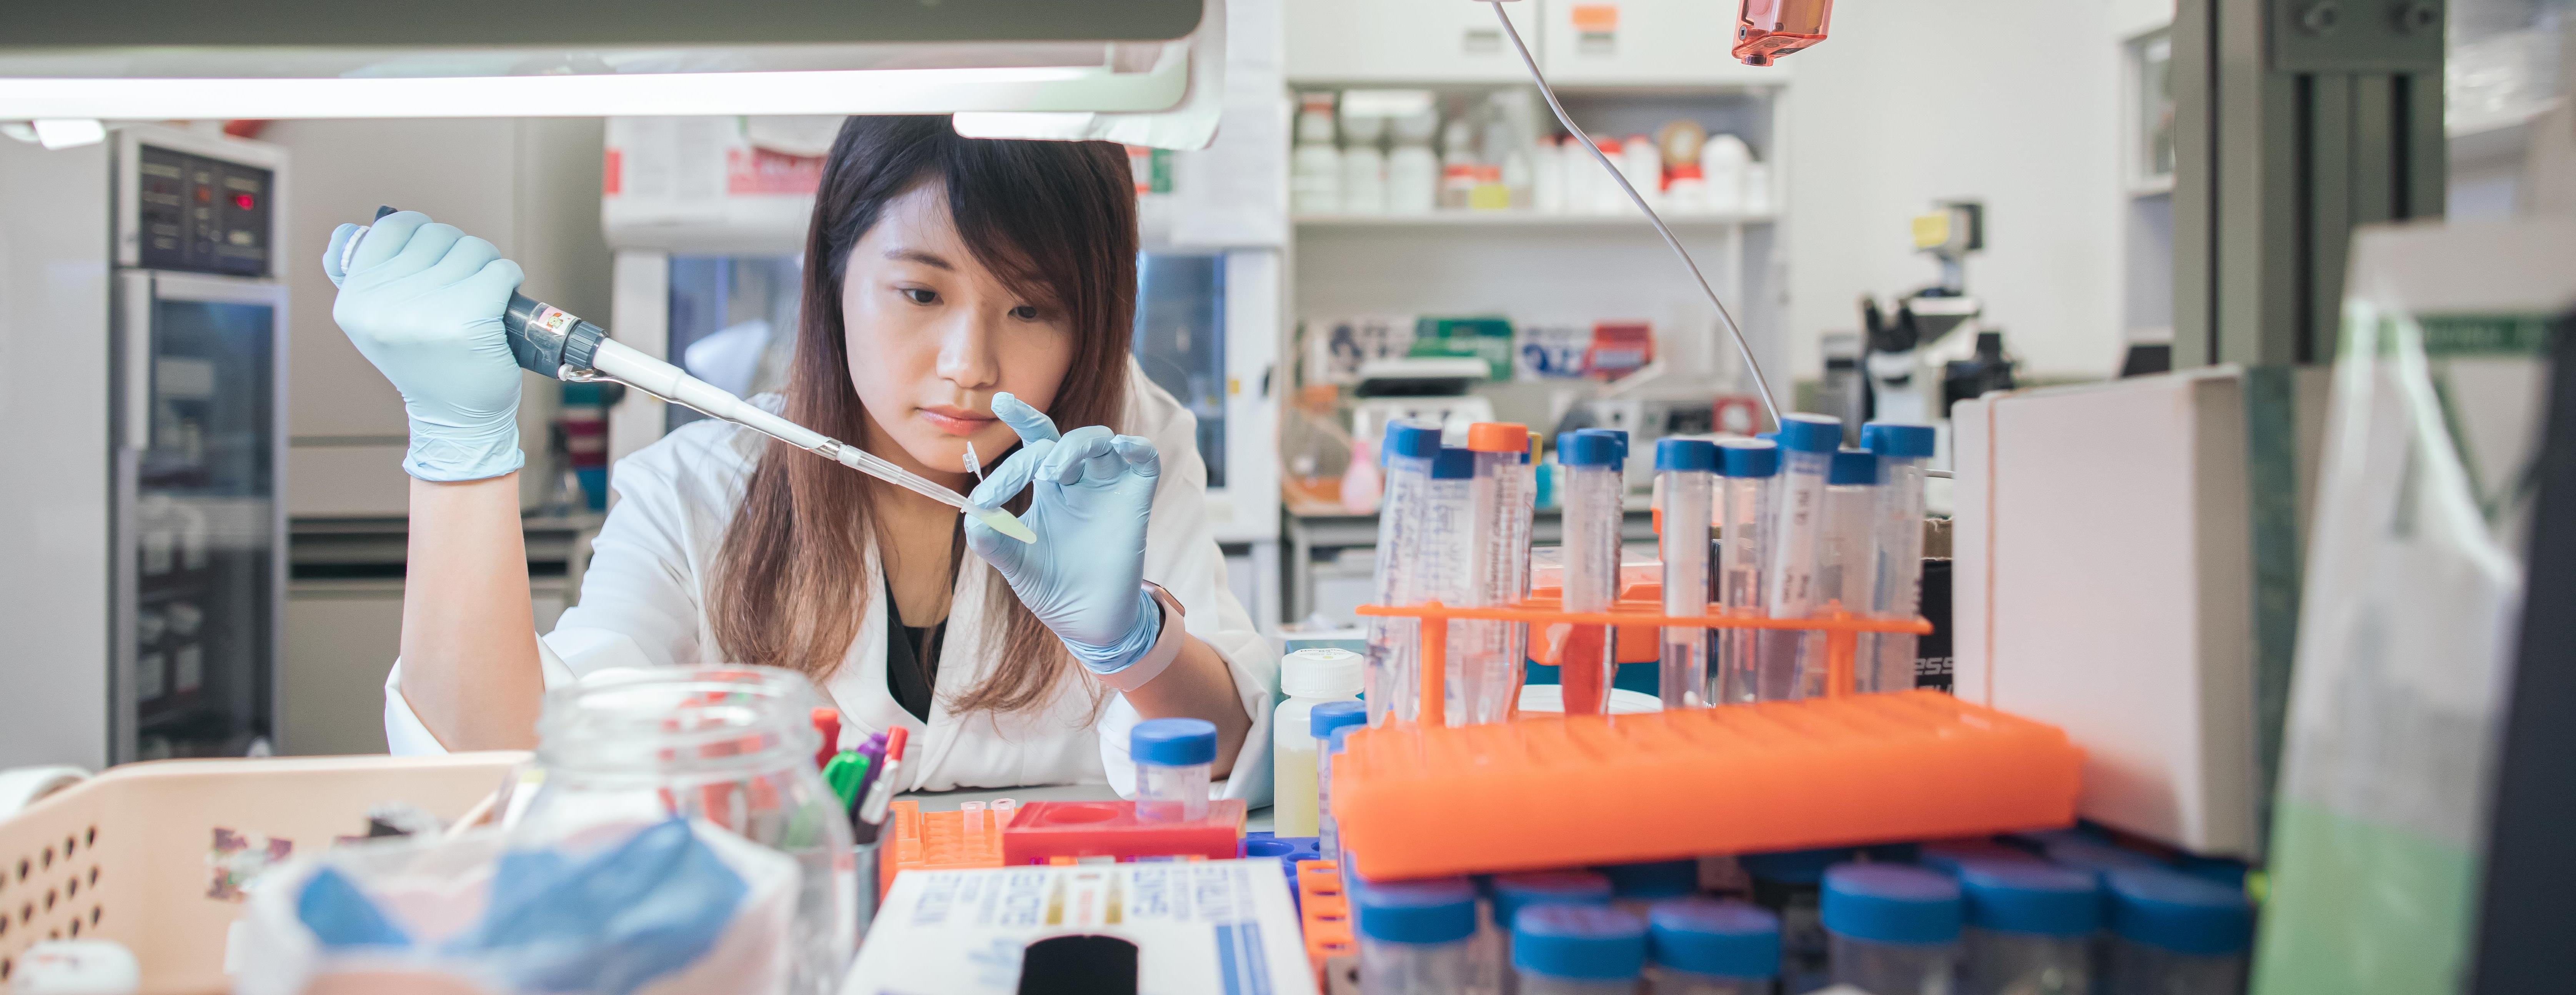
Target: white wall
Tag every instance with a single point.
(2015, 102)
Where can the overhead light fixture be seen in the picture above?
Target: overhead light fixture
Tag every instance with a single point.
(167, 59)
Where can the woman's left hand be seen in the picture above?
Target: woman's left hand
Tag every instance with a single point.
(1084, 575)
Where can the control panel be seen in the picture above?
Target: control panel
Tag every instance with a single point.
(201, 214)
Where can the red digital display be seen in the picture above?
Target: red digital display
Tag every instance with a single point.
(242, 201)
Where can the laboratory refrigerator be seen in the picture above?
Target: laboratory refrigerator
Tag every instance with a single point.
(145, 553)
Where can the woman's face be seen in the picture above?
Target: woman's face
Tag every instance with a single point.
(932, 335)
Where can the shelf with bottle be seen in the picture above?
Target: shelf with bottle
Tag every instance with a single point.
(1359, 156)
(1526, 217)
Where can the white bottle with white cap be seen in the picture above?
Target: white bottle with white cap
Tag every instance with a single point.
(1308, 677)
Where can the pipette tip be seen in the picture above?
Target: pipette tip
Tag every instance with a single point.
(1003, 522)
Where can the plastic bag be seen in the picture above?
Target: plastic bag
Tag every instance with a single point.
(2414, 592)
(665, 908)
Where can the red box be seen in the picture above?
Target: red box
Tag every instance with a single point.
(1044, 831)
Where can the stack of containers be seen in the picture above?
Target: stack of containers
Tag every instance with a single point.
(1588, 660)
(1701, 946)
(2174, 933)
(2030, 927)
(1515, 893)
(1891, 929)
(1394, 643)
(1685, 471)
(1577, 950)
(1807, 445)
(1743, 512)
(1414, 936)
(1903, 451)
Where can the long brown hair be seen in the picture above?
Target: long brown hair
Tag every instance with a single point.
(1056, 221)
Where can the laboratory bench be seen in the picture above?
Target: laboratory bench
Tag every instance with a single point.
(1308, 534)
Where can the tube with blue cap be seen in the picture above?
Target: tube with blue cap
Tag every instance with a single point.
(1449, 554)
(1846, 562)
(1749, 468)
(1393, 645)
(1807, 445)
(1903, 452)
(1686, 470)
(1588, 660)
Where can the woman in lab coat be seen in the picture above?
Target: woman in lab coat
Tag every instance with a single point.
(956, 290)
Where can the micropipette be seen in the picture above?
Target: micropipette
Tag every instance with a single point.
(552, 342)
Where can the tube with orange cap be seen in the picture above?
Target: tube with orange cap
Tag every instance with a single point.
(1485, 657)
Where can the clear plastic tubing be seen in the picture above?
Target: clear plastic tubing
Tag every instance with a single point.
(1686, 472)
(1410, 447)
(1415, 936)
(1448, 552)
(1308, 677)
(2030, 927)
(1513, 893)
(1483, 686)
(1640, 886)
(1748, 469)
(1578, 950)
(1807, 445)
(2174, 933)
(1846, 562)
(1891, 929)
(1588, 660)
(1903, 451)
(1325, 721)
(1172, 759)
(1702, 946)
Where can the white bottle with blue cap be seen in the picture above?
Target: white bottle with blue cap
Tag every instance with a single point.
(1307, 678)
(1328, 722)
(1686, 475)
(1847, 564)
(1578, 950)
(2176, 933)
(1173, 758)
(1511, 894)
(1807, 445)
(1702, 946)
(1904, 451)
(1394, 642)
(1891, 929)
(1748, 469)
(2030, 927)
(1414, 936)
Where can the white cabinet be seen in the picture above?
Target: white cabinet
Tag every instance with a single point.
(1646, 43)
(1406, 41)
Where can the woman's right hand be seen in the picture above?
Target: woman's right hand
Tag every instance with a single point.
(423, 302)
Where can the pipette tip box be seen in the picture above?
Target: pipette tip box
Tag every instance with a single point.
(1593, 789)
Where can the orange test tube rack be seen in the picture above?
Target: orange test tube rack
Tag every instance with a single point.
(915, 840)
(1421, 798)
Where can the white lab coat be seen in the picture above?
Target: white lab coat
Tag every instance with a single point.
(642, 605)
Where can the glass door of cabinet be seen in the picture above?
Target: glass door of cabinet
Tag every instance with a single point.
(200, 521)
(733, 323)
(1180, 341)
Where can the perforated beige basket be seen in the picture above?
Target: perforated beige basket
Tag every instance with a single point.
(151, 855)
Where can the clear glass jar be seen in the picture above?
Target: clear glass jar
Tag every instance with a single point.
(731, 745)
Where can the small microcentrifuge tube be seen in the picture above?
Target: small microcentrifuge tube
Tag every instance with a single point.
(974, 812)
(1003, 809)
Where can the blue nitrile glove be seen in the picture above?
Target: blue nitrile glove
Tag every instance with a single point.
(1084, 576)
(423, 302)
